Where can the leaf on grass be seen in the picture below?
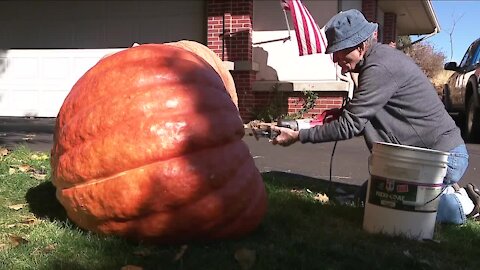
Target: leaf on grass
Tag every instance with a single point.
(39, 157)
(29, 220)
(45, 250)
(17, 207)
(17, 240)
(3, 151)
(49, 248)
(24, 168)
(38, 176)
(323, 198)
(131, 267)
(26, 221)
(245, 257)
(180, 253)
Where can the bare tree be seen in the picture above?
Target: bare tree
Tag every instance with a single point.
(450, 33)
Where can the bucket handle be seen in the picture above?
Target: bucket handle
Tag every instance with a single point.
(410, 203)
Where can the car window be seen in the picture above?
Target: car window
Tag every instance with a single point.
(476, 57)
(470, 57)
(465, 57)
(473, 54)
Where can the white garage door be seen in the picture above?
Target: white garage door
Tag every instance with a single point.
(45, 46)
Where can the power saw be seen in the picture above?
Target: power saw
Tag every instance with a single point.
(260, 129)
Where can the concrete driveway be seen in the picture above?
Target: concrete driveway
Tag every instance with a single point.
(35, 133)
(350, 161)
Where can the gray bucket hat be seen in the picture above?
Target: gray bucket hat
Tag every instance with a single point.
(347, 29)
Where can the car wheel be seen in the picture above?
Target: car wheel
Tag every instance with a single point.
(447, 102)
(472, 124)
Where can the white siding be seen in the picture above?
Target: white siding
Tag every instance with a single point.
(35, 82)
(46, 46)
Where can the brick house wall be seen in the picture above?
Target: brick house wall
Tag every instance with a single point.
(324, 102)
(229, 34)
(369, 10)
(389, 28)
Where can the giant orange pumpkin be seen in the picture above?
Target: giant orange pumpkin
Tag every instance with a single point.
(148, 145)
(212, 58)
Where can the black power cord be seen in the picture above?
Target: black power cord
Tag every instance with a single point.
(331, 192)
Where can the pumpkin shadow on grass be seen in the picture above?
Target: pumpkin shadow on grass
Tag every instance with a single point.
(298, 230)
(317, 185)
(43, 202)
(289, 191)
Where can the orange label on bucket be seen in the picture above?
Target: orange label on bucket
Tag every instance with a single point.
(402, 195)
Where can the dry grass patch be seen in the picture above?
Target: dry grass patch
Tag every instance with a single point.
(440, 79)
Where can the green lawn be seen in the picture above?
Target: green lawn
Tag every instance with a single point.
(298, 232)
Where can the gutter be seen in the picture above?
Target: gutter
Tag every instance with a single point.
(431, 12)
(429, 9)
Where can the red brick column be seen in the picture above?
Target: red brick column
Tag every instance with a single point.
(215, 11)
(369, 10)
(229, 34)
(390, 28)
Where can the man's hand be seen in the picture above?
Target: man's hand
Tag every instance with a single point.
(286, 136)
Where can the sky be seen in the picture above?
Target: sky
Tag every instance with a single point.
(461, 16)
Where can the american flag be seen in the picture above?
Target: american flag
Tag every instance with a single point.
(310, 38)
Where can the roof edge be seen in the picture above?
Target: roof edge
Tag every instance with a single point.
(429, 7)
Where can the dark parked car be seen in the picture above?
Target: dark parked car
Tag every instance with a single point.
(461, 93)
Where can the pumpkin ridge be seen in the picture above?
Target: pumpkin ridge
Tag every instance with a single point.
(200, 72)
(193, 200)
(191, 138)
(83, 197)
(231, 193)
(153, 85)
(94, 181)
(250, 217)
(89, 127)
(235, 214)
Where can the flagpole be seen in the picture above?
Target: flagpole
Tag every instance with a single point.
(288, 26)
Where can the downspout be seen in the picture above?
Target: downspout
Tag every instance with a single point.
(436, 31)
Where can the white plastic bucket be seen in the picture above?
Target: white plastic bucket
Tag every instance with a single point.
(403, 190)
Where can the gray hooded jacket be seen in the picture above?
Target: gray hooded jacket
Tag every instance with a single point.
(395, 102)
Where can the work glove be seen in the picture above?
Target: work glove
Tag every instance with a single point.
(285, 137)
